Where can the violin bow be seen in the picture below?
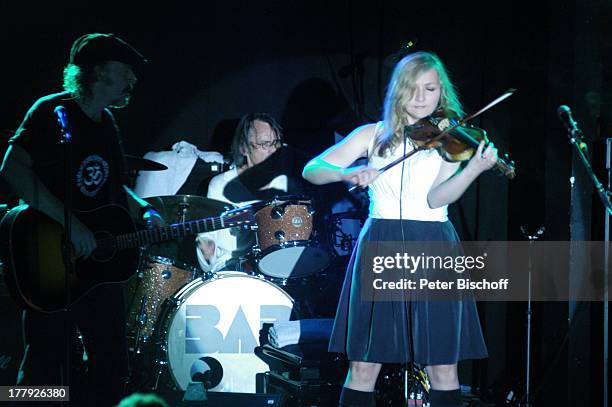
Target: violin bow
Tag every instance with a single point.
(447, 130)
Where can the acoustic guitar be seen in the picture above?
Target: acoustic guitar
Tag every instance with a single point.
(31, 248)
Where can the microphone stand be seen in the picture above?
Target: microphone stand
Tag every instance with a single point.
(66, 141)
(605, 279)
(576, 139)
(531, 239)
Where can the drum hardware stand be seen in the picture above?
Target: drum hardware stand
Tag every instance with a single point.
(142, 320)
(141, 317)
(531, 238)
(605, 279)
(134, 349)
(161, 365)
(160, 350)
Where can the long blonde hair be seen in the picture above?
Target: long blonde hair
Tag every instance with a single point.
(401, 89)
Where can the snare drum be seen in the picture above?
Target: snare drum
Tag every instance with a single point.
(158, 282)
(213, 326)
(286, 246)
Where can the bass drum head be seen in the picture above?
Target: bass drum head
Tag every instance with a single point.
(293, 262)
(216, 328)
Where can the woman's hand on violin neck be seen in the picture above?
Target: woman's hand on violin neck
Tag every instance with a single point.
(484, 159)
(360, 175)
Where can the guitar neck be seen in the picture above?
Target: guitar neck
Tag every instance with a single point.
(175, 231)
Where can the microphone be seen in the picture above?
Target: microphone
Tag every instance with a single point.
(62, 119)
(565, 114)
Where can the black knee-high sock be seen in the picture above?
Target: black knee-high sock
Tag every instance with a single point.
(356, 398)
(445, 398)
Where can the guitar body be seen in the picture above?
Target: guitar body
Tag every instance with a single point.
(35, 271)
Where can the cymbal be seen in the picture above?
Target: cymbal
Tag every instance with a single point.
(142, 164)
(177, 208)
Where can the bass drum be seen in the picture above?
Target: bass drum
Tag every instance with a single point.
(211, 331)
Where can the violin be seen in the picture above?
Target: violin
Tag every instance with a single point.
(454, 139)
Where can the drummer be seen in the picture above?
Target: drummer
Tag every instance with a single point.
(263, 168)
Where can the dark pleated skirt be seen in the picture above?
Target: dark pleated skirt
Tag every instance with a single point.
(426, 332)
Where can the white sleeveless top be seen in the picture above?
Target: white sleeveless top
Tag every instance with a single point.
(420, 171)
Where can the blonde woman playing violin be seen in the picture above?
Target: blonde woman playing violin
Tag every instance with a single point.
(407, 203)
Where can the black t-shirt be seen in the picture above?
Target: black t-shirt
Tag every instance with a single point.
(97, 166)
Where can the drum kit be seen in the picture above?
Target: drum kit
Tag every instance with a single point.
(184, 322)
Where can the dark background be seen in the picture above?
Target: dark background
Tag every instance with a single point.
(321, 67)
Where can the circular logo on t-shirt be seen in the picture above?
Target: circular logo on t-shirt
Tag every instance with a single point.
(92, 174)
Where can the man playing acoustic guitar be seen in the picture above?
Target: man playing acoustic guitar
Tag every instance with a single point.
(99, 75)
